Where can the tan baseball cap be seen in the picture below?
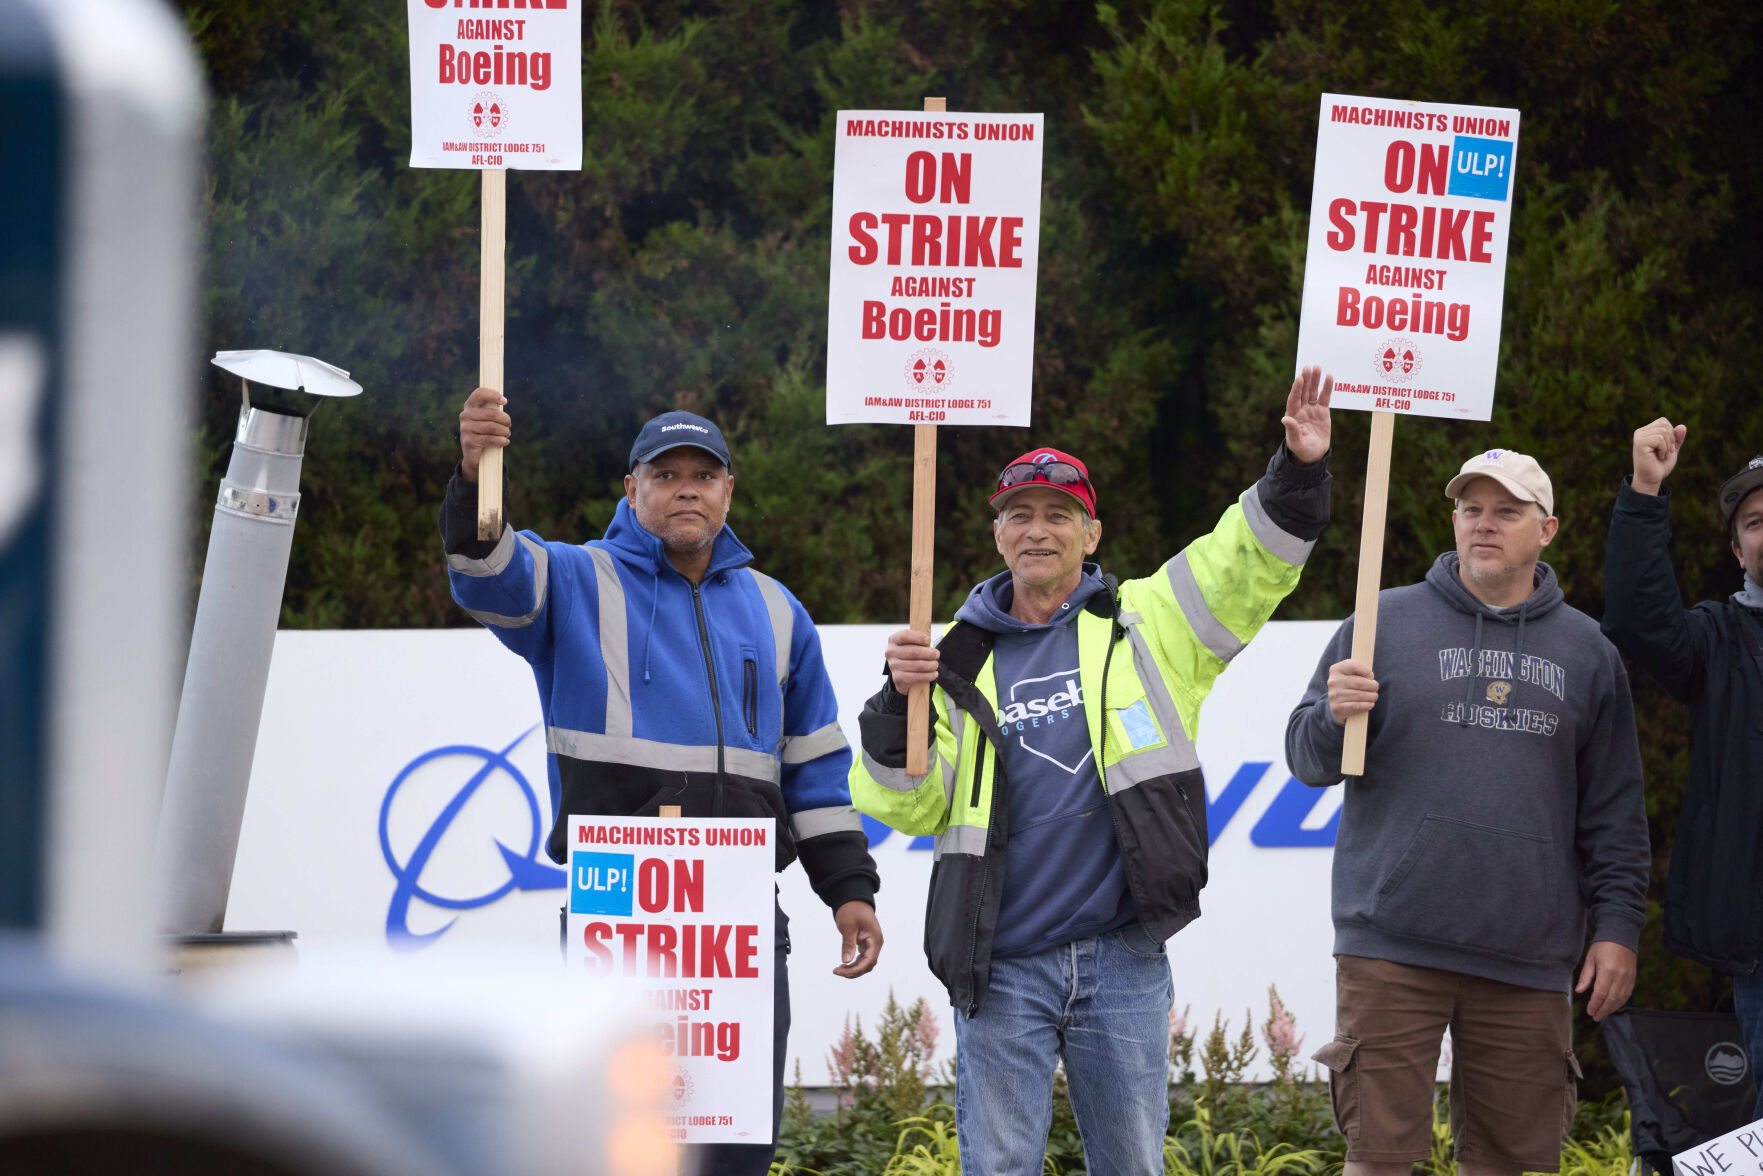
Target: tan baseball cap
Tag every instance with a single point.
(1516, 471)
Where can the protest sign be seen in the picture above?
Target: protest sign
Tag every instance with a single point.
(1404, 279)
(683, 909)
(495, 93)
(1406, 267)
(936, 236)
(1737, 1153)
(496, 87)
(931, 304)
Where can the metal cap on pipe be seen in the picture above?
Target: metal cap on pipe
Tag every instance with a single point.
(283, 369)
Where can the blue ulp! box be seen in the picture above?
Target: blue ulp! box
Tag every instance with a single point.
(1481, 167)
(600, 883)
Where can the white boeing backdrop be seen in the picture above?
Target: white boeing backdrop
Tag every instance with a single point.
(399, 801)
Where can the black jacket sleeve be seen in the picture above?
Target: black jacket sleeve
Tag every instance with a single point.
(1644, 615)
(459, 520)
(1295, 495)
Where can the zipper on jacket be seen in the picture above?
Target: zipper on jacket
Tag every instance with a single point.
(715, 702)
(985, 873)
(750, 695)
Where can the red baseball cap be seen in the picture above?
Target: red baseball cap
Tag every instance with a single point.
(1047, 467)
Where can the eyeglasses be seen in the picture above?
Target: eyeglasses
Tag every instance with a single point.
(1059, 473)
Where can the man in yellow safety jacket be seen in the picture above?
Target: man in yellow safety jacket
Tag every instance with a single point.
(1065, 792)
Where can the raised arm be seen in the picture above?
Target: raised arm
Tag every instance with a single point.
(1643, 609)
(503, 583)
(1205, 604)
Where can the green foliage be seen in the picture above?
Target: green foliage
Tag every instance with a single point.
(685, 266)
(1224, 1061)
(881, 1083)
(1285, 1128)
(927, 1146)
(1197, 1149)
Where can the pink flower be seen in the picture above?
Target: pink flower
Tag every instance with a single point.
(925, 1034)
(841, 1061)
(1281, 1031)
(926, 1030)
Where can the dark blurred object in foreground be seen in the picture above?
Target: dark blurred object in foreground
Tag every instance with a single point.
(1686, 1076)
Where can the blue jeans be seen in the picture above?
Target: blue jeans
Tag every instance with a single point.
(1747, 1002)
(1100, 1004)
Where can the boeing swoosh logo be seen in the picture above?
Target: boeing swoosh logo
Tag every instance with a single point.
(525, 870)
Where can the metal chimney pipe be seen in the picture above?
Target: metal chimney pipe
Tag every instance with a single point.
(230, 647)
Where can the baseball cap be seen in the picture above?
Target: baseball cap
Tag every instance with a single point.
(673, 429)
(1734, 490)
(1046, 467)
(1516, 471)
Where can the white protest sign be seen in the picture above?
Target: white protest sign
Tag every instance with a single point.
(496, 91)
(1737, 1153)
(1406, 267)
(685, 908)
(936, 236)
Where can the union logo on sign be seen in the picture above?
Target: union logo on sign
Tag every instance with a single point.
(488, 112)
(929, 369)
(1396, 360)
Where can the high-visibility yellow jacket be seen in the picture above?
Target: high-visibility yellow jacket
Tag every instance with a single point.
(1151, 650)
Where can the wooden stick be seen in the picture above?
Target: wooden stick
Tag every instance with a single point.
(489, 341)
(924, 511)
(670, 811)
(1377, 493)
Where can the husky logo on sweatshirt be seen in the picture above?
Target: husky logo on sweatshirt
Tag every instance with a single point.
(1499, 692)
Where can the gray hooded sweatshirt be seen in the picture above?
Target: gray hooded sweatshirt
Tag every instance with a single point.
(1501, 804)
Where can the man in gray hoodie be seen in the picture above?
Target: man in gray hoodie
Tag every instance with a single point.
(1500, 817)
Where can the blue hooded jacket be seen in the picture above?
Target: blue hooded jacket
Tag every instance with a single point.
(657, 691)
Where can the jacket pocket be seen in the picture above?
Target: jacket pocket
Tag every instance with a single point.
(1131, 725)
(750, 689)
(1475, 886)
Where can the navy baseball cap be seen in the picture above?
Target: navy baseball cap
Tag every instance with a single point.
(671, 430)
(1741, 486)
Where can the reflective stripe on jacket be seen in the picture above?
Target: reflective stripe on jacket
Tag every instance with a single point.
(1148, 661)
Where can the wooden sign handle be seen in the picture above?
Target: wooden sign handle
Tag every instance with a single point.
(1377, 494)
(924, 512)
(489, 345)
(668, 811)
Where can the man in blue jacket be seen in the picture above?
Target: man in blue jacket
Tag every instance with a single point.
(671, 672)
(1711, 657)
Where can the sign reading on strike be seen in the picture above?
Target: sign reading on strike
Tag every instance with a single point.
(683, 909)
(1406, 267)
(496, 87)
(936, 235)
